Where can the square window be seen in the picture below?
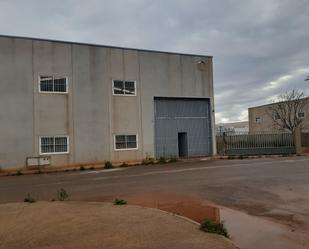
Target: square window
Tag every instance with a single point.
(118, 87)
(130, 87)
(301, 114)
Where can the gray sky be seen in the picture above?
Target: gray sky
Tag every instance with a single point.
(260, 47)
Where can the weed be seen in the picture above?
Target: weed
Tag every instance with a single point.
(162, 160)
(148, 160)
(119, 202)
(124, 165)
(82, 168)
(211, 227)
(173, 159)
(108, 165)
(62, 195)
(29, 199)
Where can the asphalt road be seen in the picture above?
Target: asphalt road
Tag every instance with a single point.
(276, 187)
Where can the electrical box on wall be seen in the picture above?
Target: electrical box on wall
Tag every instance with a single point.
(38, 161)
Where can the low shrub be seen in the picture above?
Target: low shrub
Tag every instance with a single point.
(124, 165)
(62, 195)
(29, 199)
(148, 161)
(162, 160)
(173, 159)
(119, 202)
(108, 165)
(211, 227)
(81, 168)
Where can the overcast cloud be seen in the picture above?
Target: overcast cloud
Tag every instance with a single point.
(260, 47)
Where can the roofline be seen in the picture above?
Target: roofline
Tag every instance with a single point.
(307, 98)
(99, 45)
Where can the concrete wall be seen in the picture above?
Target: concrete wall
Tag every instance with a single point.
(89, 114)
(267, 123)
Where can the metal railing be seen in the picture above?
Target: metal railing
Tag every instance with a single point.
(255, 144)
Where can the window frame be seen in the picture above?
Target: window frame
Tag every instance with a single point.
(126, 95)
(54, 153)
(54, 92)
(301, 117)
(125, 149)
(258, 120)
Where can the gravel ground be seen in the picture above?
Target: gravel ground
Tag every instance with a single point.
(99, 225)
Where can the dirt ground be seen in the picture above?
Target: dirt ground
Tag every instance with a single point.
(184, 205)
(262, 231)
(93, 225)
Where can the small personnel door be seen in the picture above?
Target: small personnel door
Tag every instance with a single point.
(182, 144)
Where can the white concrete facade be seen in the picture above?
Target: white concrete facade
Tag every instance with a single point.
(89, 114)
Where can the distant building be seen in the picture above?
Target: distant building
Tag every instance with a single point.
(260, 119)
(67, 103)
(234, 127)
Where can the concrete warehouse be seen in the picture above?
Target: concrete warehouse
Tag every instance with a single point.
(67, 103)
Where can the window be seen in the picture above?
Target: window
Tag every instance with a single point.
(258, 120)
(53, 84)
(121, 87)
(125, 142)
(54, 145)
(276, 116)
(301, 114)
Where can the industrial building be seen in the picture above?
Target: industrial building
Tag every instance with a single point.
(260, 119)
(64, 103)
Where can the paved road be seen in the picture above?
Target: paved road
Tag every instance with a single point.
(276, 188)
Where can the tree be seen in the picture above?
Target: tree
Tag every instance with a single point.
(285, 111)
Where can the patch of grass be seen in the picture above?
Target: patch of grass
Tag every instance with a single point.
(211, 227)
(81, 168)
(29, 199)
(108, 165)
(120, 202)
(162, 160)
(62, 195)
(124, 165)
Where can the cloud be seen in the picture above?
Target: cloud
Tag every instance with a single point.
(260, 47)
